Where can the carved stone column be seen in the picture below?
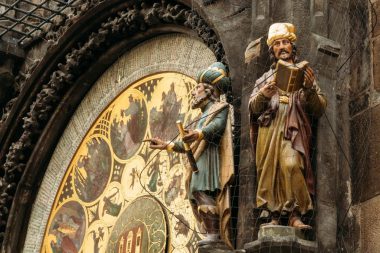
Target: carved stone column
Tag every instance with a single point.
(10, 54)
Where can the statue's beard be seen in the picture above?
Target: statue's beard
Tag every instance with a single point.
(288, 57)
(199, 102)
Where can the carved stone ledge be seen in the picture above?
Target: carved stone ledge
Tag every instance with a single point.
(274, 239)
(11, 50)
(216, 247)
(208, 2)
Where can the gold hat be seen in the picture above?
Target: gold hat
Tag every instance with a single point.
(281, 31)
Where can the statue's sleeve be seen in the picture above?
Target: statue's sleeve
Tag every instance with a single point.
(258, 103)
(178, 147)
(316, 101)
(214, 130)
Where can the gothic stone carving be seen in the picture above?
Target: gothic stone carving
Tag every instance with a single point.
(134, 19)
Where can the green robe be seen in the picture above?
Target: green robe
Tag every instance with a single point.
(207, 178)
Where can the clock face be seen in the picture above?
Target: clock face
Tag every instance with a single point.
(118, 195)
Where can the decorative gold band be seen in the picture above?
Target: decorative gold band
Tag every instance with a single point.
(217, 79)
(284, 99)
(200, 133)
(221, 71)
(170, 146)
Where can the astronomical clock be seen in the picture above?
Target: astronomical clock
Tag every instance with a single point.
(117, 194)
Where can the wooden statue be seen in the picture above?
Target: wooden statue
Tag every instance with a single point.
(281, 132)
(211, 146)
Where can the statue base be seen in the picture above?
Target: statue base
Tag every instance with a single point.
(216, 246)
(274, 239)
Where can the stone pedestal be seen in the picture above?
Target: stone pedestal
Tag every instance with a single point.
(274, 239)
(217, 246)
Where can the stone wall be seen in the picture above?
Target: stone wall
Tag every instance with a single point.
(365, 141)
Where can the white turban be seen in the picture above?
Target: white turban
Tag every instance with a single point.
(281, 31)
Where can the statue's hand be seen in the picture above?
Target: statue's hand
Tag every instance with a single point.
(156, 143)
(190, 136)
(303, 95)
(269, 89)
(308, 78)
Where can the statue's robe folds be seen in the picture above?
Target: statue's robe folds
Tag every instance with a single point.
(280, 133)
(214, 157)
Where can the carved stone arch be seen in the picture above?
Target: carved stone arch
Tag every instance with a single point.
(61, 80)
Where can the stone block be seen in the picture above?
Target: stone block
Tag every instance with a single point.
(359, 103)
(11, 49)
(359, 152)
(370, 225)
(376, 61)
(374, 152)
(260, 17)
(365, 153)
(274, 239)
(376, 6)
(326, 226)
(247, 218)
(246, 159)
(279, 231)
(319, 14)
(214, 247)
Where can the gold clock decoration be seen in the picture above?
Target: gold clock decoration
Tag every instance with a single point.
(118, 191)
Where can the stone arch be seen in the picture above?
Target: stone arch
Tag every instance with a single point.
(59, 82)
(139, 62)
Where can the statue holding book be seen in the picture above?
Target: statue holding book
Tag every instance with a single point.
(209, 158)
(281, 106)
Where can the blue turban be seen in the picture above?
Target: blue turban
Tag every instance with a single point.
(215, 75)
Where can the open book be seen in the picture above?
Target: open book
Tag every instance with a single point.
(289, 77)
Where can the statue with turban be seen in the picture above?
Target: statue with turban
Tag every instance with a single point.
(211, 144)
(281, 132)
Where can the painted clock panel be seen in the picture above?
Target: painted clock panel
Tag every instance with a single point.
(117, 194)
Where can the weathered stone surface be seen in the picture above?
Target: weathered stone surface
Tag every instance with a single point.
(247, 217)
(365, 152)
(261, 18)
(359, 103)
(273, 239)
(319, 15)
(279, 231)
(374, 154)
(7, 88)
(214, 247)
(326, 226)
(375, 19)
(11, 49)
(370, 225)
(376, 61)
(359, 152)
